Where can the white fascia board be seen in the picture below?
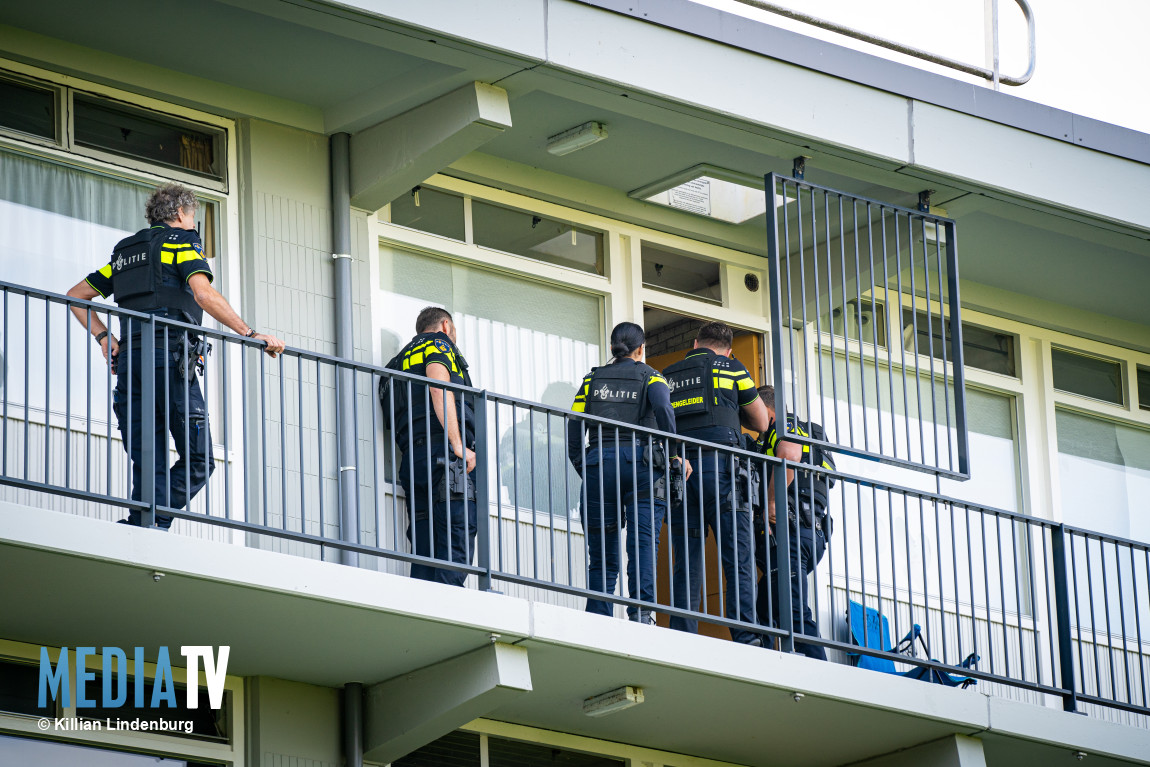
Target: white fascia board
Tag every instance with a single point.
(726, 80)
(999, 157)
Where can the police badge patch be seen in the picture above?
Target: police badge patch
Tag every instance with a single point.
(198, 248)
(442, 346)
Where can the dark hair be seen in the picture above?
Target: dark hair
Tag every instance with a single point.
(431, 317)
(626, 338)
(767, 392)
(165, 202)
(716, 336)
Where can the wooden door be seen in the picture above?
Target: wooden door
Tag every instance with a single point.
(747, 348)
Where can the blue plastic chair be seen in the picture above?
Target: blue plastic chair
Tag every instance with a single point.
(870, 629)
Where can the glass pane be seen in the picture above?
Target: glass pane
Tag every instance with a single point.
(27, 109)
(456, 749)
(520, 338)
(514, 753)
(1104, 469)
(674, 272)
(46, 753)
(1144, 388)
(982, 348)
(430, 211)
(101, 126)
(524, 234)
(19, 689)
(862, 321)
(57, 224)
(1088, 376)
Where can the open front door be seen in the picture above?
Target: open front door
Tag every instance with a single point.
(748, 349)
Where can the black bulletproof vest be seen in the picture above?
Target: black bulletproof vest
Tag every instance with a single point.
(696, 401)
(142, 282)
(812, 487)
(423, 420)
(619, 391)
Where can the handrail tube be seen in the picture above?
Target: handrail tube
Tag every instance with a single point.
(909, 50)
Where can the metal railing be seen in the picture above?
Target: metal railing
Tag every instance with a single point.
(993, 74)
(1053, 612)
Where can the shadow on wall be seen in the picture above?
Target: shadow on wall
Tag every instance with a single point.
(533, 465)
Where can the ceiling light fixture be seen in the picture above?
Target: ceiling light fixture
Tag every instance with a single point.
(576, 138)
(615, 700)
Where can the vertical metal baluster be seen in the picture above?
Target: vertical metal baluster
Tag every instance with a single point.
(953, 321)
(1122, 621)
(515, 485)
(87, 402)
(225, 396)
(429, 410)
(1051, 603)
(846, 332)
(354, 375)
(67, 397)
(411, 461)
(909, 571)
(246, 445)
(858, 310)
(147, 417)
(930, 347)
(1106, 612)
(781, 417)
(785, 331)
(620, 543)
(1138, 627)
(47, 390)
(901, 345)
(1029, 553)
(185, 383)
(803, 307)
(300, 443)
(941, 581)
(914, 337)
(922, 558)
(394, 474)
(461, 406)
(128, 405)
(970, 580)
(550, 496)
(283, 446)
(888, 315)
(319, 445)
(1093, 617)
(1002, 594)
(862, 553)
(986, 589)
(874, 325)
(1069, 537)
(263, 463)
(376, 435)
(567, 498)
(209, 457)
(27, 386)
(534, 503)
(893, 563)
(957, 593)
(499, 501)
(167, 415)
(1017, 598)
(7, 390)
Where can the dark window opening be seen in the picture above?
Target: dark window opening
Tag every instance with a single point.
(1144, 388)
(28, 109)
(131, 133)
(20, 688)
(532, 236)
(673, 272)
(456, 749)
(1088, 376)
(207, 723)
(514, 753)
(47, 753)
(982, 348)
(430, 211)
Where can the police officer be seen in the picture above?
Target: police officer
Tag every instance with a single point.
(622, 466)
(807, 494)
(712, 395)
(435, 429)
(161, 270)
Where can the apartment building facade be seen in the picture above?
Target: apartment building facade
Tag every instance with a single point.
(960, 278)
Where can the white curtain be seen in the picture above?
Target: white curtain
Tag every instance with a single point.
(57, 224)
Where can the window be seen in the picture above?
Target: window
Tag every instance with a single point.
(206, 723)
(514, 753)
(430, 211)
(1143, 388)
(145, 135)
(1104, 469)
(673, 272)
(28, 108)
(982, 348)
(19, 689)
(862, 321)
(521, 338)
(455, 749)
(533, 236)
(1092, 377)
(47, 753)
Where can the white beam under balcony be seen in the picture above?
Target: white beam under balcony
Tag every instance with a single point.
(393, 156)
(413, 709)
(951, 751)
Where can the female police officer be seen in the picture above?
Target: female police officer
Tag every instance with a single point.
(622, 469)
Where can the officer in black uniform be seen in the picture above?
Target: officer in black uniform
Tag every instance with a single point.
(435, 429)
(713, 394)
(622, 466)
(807, 495)
(161, 270)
